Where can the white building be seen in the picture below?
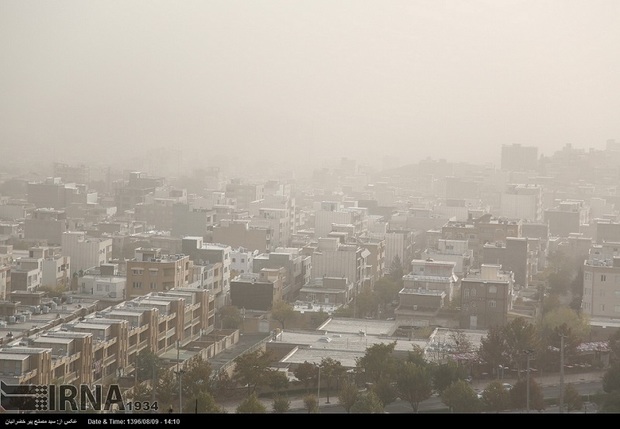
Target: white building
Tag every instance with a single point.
(522, 202)
(85, 252)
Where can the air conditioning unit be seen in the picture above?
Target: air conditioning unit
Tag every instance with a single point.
(415, 308)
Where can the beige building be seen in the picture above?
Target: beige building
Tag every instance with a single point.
(150, 271)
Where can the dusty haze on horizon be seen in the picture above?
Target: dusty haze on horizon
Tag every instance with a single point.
(304, 81)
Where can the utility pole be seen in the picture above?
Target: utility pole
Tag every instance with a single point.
(527, 401)
(562, 336)
(318, 391)
(180, 378)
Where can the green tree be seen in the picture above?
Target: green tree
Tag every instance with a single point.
(611, 378)
(414, 384)
(518, 395)
(251, 405)
(311, 403)
(385, 391)
(495, 397)
(149, 365)
(460, 397)
(396, 271)
(305, 373)
(519, 335)
(166, 388)
(196, 378)
(366, 303)
(572, 398)
(573, 324)
(203, 402)
(611, 402)
(387, 290)
(230, 317)
(445, 374)
(614, 346)
(331, 370)
(347, 396)
(378, 362)
(493, 349)
(277, 380)
(283, 312)
(252, 369)
(368, 403)
(281, 404)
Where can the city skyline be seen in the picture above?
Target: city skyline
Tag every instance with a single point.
(299, 83)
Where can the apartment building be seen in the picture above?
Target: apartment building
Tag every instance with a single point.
(298, 268)
(46, 225)
(85, 252)
(55, 268)
(242, 233)
(152, 271)
(486, 297)
(257, 291)
(428, 274)
(201, 253)
(330, 258)
(601, 282)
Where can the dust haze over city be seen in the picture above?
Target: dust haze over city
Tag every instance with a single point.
(298, 84)
(244, 206)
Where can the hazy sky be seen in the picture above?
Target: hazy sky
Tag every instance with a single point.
(288, 79)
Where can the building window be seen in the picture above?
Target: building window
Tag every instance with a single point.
(587, 276)
(242, 260)
(234, 259)
(603, 277)
(473, 291)
(493, 289)
(153, 285)
(602, 307)
(492, 303)
(466, 293)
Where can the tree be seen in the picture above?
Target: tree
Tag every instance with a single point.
(518, 395)
(414, 384)
(611, 378)
(493, 348)
(445, 374)
(348, 396)
(572, 398)
(331, 369)
(519, 335)
(387, 290)
(203, 402)
(149, 365)
(304, 372)
(460, 397)
(366, 303)
(252, 405)
(277, 380)
(311, 403)
(252, 369)
(367, 403)
(230, 317)
(281, 404)
(141, 393)
(385, 391)
(495, 397)
(196, 378)
(378, 362)
(396, 270)
(166, 387)
(460, 342)
(573, 324)
(283, 312)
